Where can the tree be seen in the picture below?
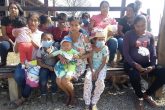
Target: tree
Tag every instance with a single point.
(73, 3)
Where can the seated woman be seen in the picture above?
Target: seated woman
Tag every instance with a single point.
(19, 74)
(125, 24)
(140, 59)
(103, 20)
(8, 39)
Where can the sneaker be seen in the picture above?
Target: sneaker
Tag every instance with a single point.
(140, 104)
(43, 99)
(150, 100)
(94, 107)
(87, 107)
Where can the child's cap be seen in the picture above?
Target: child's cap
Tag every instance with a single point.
(100, 33)
(66, 39)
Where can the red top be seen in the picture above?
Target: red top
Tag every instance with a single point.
(58, 34)
(7, 22)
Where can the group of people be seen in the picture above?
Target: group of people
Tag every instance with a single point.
(62, 52)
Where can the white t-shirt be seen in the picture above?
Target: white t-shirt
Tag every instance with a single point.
(36, 38)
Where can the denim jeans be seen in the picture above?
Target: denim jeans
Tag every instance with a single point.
(5, 46)
(112, 44)
(19, 76)
(44, 75)
(120, 45)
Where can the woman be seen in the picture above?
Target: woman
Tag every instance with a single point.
(19, 75)
(125, 23)
(140, 57)
(102, 20)
(8, 39)
(80, 43)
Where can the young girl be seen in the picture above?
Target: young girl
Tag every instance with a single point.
(64, 72)
(46, 63)
(97, 71)
(23, 43)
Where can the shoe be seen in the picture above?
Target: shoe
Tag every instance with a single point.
(94, 107)
(150, 100)
(43, 99)
(87, 107)
(140, 104)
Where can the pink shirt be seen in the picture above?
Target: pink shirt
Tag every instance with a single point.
(23, 34)
(101, 22)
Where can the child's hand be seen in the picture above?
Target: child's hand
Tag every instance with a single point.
(62, 59)
(51, 68)
(48, 50)
(76, 57)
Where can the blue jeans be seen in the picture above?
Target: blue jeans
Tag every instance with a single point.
(19, 76)
(120, 45)
(44, 75)
(112, 44)
(5, 47)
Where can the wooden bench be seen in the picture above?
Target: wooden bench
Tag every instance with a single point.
(7, 73)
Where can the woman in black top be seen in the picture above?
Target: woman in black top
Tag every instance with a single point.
(125, 23)
(7, 38)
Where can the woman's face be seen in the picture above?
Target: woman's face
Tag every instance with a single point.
(33, 22)
(104, 8)
(75, 26)
(13, 10)
(129, 12)
(140, 27)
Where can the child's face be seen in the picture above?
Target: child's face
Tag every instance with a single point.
(46, 41)
(100, 39)
(66, 46)
(47, 38)
(75, 26)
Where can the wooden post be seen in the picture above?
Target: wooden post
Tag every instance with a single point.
(13, 89)
(122, 8)
(46, 5)
(7, 4)
(161, 53)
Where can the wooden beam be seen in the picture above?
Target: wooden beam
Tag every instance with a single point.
(32, 8)
(122, 8)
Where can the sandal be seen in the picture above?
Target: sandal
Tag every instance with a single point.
(15, 104)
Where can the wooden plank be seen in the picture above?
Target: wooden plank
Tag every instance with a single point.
(122, 8)
(13, 89)
(32, 8)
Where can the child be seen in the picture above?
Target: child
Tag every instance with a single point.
(46, 63)
(97, 71)
(23, 43)
(65, 72)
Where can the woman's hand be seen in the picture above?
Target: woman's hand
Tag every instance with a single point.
(139, 68)
(62, 59)
(148, 69)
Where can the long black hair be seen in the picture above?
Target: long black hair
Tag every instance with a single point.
(135, 6)
(18, 6)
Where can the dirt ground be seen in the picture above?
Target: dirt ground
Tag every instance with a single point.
(110, 99)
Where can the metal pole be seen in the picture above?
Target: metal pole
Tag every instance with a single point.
(6, 4)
